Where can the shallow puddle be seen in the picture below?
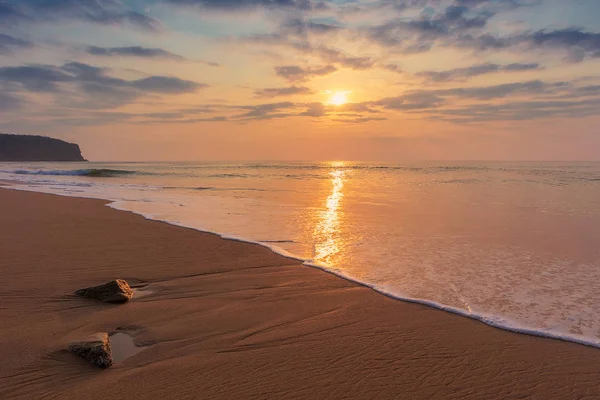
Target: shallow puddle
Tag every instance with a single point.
(123, 347)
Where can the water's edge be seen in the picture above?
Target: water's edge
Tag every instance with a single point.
(486, 319)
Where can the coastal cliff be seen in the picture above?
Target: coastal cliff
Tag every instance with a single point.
(37, 148)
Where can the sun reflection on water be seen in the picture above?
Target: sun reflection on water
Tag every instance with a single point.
(327, 230)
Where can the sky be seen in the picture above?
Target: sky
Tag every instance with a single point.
(368, 80)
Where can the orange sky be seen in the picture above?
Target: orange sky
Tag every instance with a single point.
(383, 80)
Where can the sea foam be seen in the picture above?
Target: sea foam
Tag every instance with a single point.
(93, 172)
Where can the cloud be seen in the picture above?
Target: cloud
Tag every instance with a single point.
(314, 110)
(166, 84)
(286, 91)
(475, 70)
(359, 120)
(463, 23)
(435, 98)
(522, 101)
(504, 102)
(10, 44)
(295, 73)
(422, 32)
(503, 90)
(133, 51)
(519, 111)
(419, 100)
(104, 12)
(9, 102)
(42, 78)
(336, 56)
(93, 117)
(184, 120)
(234, 5)
(578, 44)
(9, 12)
(360, 112)
(354, 108)
(301, 28)
(428, 7)
(325, 53)
(392, 68)
(83, 85)
(266, 111)
(141, 52)
(34, 78)
(512, 101)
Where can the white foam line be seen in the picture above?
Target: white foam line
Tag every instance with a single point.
(486, 319)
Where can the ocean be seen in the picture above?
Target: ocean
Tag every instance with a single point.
(514, 245)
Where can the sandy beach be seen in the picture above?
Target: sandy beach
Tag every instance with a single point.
(224, 319)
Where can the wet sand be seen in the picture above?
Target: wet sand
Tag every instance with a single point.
(231, 320)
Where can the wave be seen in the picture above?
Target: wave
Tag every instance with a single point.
(229, 176)
(93, 172)
(223, 189)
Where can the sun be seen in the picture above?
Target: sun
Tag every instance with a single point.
(339, 98)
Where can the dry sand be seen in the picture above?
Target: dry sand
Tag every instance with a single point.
(232, 320)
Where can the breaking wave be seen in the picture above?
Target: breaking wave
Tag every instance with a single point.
(94, 173)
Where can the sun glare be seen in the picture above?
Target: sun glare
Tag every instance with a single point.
(339, 98)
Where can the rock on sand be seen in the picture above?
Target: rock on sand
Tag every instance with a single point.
(95, 349)
(117, 291)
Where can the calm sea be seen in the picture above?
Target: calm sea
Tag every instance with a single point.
(516, 245)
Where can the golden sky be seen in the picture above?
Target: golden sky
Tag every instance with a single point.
(377, 80)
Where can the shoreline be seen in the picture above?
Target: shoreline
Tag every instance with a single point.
(231, 319)
(509, 326)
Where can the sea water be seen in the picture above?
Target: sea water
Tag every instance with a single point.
(515, 245)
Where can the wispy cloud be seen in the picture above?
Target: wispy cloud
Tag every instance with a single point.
(577, 44)
(9, 102)
(104, 12)
(285, 91)
(476, 70)
(93, 85)
(235, 5)
(10, 44)
(133, 51)
(296, 73)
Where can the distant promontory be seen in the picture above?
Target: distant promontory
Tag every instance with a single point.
(37, 148)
